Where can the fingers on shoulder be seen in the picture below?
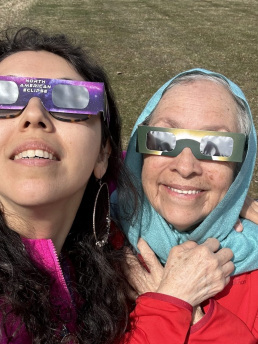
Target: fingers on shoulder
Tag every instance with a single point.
(224, 255)
(145, 249)
(212, 244)
(186, 246)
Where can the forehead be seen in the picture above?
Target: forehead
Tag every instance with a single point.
(39, 64)
(199, 104)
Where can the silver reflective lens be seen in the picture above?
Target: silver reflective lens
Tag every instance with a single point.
(161, 141)
(70, 96)
(216, 146)
(9, 92)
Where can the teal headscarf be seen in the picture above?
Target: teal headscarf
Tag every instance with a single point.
(161, 236)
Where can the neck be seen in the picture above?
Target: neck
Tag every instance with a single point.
(50, 221)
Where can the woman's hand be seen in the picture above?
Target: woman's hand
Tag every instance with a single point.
(145, 272)
(250, 210)
(193, 273)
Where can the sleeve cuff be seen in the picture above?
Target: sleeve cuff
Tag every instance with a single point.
(169, 299)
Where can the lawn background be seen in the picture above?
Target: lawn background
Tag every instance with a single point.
(143, 43)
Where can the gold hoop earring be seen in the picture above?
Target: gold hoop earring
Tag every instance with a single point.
(104, 240)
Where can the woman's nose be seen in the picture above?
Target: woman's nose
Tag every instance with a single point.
(35, 116)
(186, 163)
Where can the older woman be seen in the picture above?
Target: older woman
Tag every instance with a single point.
(197, 146)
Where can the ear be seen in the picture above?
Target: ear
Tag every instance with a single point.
(102, 161)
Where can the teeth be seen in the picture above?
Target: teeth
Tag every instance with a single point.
(32, 154)
(39, 153)
(185, 192)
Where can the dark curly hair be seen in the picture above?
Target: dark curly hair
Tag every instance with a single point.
(98, 278)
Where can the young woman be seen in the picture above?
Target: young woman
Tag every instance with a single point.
(56, 284)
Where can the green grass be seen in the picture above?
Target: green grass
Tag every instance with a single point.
(143, 43)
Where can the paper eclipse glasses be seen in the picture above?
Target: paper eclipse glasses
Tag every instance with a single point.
(66, 100)
(205, 145)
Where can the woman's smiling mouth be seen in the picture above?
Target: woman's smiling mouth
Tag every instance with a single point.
(185, 192)
(34, 150)
(34, 154)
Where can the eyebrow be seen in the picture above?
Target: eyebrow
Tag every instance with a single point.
(174, 124)
(165, 120)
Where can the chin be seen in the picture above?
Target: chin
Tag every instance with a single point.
(32, 203)
(33, 199)
(186, 227)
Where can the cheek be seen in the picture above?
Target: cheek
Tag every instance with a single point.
(220, 175)
(81, 138)
(146, 176)
(149, 169)
(154, 163)
(7, 127)
(83, 148)
(152, 173)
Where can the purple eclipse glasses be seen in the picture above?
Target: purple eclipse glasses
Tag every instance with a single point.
(66, 100)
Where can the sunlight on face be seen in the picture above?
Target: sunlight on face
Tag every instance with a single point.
(182, 189)
(71, 149)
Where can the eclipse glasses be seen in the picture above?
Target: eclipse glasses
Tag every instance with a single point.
(66, 100)
(205, 145)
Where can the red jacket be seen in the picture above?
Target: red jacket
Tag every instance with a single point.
(230, 318)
